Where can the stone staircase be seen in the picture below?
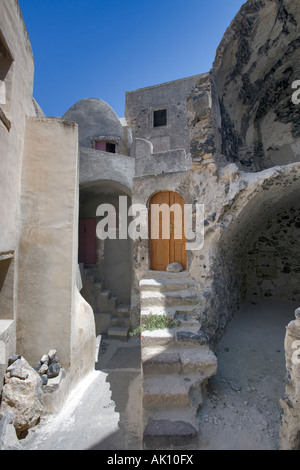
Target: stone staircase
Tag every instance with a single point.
(176, 362)
(111, 318)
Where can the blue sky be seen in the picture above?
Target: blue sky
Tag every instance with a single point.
(103, 48)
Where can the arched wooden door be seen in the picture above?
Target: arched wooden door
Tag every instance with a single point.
(164, 251)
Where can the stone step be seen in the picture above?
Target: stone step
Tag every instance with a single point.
(171, 391)
(162, 337)
(98, 286)
(185, 315)
(168, 299)
(120, 321)
(187, 318)
(119, 333)
(165, 285)
(123, 311)
(103, 321)
(187, 414)
(105, 302)
(180, 336)
(164, 434)
(191, 336)
(158, 360)
(163, 275)
(92, 273)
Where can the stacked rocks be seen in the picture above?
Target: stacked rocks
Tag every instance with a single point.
(48, 367)
(22, 395)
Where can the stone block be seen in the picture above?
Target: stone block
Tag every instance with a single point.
(161, 434)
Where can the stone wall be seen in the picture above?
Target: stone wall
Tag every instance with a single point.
(16, 83)
(172, 96)
(51, 313)
(274, 258)
(103, 166)
(244, 148)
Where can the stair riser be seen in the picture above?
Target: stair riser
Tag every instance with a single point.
(170, 442)
(124, 322)
(102, 323)
(204, 371)
(148, 341)
(153, 368)
(164, 287)
(177, 301)
(121, 314)
(105, 304)
(166, 401)
(119, 338)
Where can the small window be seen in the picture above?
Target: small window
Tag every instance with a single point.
(105, 146)
(160, 118)
(100, 145)
(110, 147)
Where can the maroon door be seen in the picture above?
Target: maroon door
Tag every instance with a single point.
(87, 241)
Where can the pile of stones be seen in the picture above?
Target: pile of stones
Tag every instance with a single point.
(48, 367)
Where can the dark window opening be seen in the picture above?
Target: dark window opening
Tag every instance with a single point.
(160, 118)
(105, 146)
(110, 147)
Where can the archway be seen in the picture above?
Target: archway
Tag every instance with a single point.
(166, 230)
(107, 280)
(256, 289)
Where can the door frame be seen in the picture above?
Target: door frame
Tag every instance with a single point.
(170, 243)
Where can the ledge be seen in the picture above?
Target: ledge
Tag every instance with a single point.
(6, 255)
(170, 161)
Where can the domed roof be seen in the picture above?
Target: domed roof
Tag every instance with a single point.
(95, 119)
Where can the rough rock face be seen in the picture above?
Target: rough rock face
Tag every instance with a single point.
(22, 395)
(290, 426)
(256, 64)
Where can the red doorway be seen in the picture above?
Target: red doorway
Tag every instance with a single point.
(87, 241)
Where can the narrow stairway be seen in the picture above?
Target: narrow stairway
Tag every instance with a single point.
(111, 318)
(176, 361)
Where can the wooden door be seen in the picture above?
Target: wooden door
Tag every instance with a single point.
(164, 251)
(87, 241)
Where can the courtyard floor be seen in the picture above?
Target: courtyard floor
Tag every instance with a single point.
(241, 410)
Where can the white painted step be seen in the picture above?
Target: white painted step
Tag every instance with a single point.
(165, 285)
(168, 299)
(163, 275)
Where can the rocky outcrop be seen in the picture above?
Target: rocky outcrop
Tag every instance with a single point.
(22, 395)
(253, 73)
